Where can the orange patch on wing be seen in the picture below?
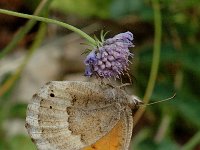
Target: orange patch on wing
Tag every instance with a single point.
(111, 141)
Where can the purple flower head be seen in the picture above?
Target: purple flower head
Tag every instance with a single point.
(111, 58)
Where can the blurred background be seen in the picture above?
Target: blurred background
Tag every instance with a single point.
(33, 53)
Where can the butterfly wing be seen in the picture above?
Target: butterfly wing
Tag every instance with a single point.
(70, 115)
(119, 137)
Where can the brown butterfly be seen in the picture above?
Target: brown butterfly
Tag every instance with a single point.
(74, 115)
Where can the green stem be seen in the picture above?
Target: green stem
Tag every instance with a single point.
(155, 61)
(192, 142)
(23, 31)
(47, 20)
(156, 52)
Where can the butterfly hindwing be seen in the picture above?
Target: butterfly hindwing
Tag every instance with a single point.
(119, 137)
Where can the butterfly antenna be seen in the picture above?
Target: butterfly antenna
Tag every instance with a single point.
(158, 101)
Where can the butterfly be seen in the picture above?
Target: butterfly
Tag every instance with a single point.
(74, 115)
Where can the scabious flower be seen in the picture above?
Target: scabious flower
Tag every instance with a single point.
(110, 57)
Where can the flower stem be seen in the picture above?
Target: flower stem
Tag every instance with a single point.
(26, 28)
(47, 20)
(155, 61)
